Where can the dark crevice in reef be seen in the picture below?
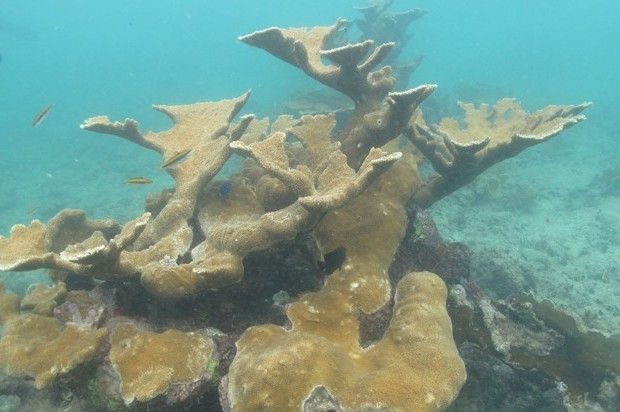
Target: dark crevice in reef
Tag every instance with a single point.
(272, 278)
(424, 249)
(374, 325)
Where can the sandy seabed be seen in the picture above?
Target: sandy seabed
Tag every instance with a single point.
(547, 222)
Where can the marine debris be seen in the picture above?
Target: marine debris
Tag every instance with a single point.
(356, 338)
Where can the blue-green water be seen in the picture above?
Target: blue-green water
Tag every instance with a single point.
(539, 216)
(118, 58)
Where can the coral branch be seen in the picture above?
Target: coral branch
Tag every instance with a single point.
(231, 233)
(69, 242)
(270, 155)
(384, 26)
(127, 130)
(490, 135)
(304, 48)
(384, 124)
(348, 184)
(149, 364)
(41, 348)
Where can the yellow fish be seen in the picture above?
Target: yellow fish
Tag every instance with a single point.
(177, 157)
(139, 181)
(38, 119)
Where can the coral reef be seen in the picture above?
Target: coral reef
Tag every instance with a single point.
(341, 202)
(42, 348)
(533, 334)
(384, 26)
(148, 364)
(490, 135)
(414, 366)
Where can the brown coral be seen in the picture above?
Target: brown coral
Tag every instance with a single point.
(149, 364)
(9, 304)
(42, 299)
(242, 226)
(69, 242)
(153, 248)
(490, 135)
(414, 367)
(374, 121)
(41, 348)
(322, 347)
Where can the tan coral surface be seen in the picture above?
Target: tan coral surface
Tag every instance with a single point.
(9, 304)
(416, 365)
(42, 299)
(41, 348)
(277, 369)
(490, 134)
(150, 363)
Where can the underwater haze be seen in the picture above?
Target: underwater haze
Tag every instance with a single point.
(544, 223)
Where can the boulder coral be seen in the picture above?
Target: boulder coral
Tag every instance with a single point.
(42, 348)
(415, 366)
(150, 364)
(338, 186)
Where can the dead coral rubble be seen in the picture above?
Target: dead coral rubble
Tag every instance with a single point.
(340, 190)
(522, 334)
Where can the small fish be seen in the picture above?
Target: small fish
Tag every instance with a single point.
(38, 119)
(225, 188)
(333, 260)
(312, 249)
(139, 181)
(177, 157)
(31, 211)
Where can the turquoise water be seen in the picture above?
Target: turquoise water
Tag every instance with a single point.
(118, 58)
(548, 219)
